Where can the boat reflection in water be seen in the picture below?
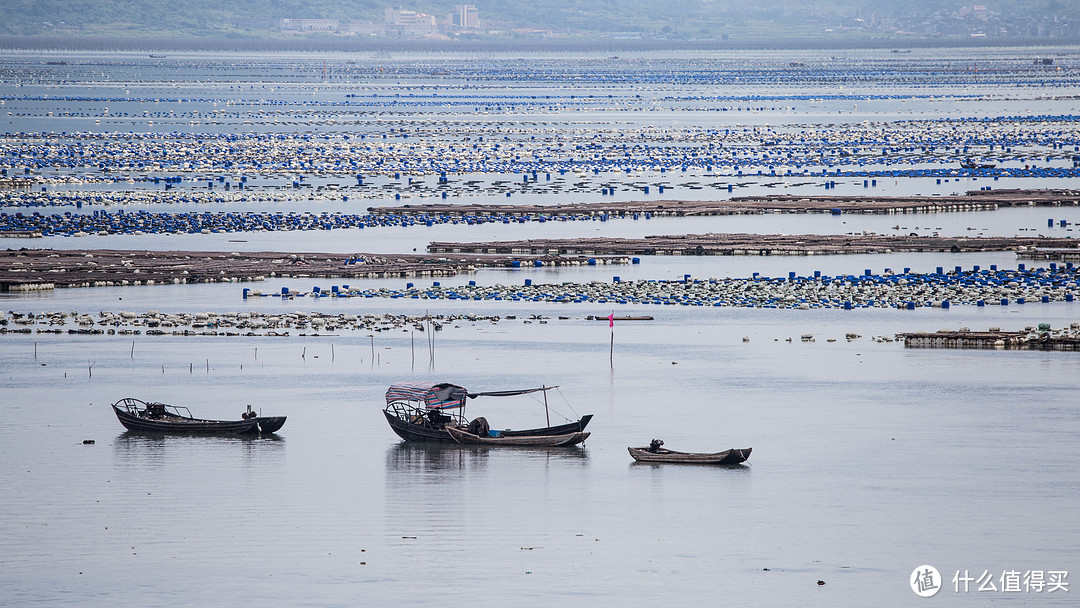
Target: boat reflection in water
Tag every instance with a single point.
(145, 449)
(407, 459)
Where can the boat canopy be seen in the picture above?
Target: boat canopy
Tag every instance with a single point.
(443, 395)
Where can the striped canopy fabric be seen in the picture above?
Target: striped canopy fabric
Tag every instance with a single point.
(436, 396)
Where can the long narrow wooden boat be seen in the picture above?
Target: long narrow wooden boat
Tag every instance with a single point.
(464, 437)
(732, 456)
(422, 411)
(152, 417)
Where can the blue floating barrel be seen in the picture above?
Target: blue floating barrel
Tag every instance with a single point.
(646, 192)
(1068, 297)
(615, 279)
(911, 306)
(408, 285)
(333, 289)
(1053, 265)
(635, 260)
(944, 303)
(592, 261)
(1004, 301)
(472, 283)
(847, 305)
(836, 211)
(866, 272)
(959, 270)
(1020, 300)
(538, 263)
(1021, 267)
(435, 283)
(1050, 223)
(315, 289)
(246, 290)
(515, 264)
(993, 267)
(528, 282)
(791, 275)
(981, 303)
(975, 268)
(1046, 299)
(661, 189)
(1063, 223)
(817, 274)
(284, 291)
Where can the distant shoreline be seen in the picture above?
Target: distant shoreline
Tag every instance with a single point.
(11, 43)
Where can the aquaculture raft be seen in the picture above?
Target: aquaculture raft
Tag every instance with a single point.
(993, 339)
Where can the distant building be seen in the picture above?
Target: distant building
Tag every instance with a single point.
(465, 16)
(410, 23)
(977, 11)
(397, 16)
(309, 25)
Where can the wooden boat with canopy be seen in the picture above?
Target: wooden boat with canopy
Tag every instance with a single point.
(423, 411)
(152, 417)
(655, 453)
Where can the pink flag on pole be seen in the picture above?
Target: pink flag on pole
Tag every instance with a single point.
(611, 320)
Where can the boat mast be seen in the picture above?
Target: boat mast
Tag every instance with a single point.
(547, 414)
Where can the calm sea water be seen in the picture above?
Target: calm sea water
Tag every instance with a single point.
(869, 459)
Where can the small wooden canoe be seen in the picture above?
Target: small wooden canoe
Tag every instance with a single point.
(732, 456)
(464, 437)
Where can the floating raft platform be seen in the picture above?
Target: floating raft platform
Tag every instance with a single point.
(724, 244)
(974, 200)
(1041, 338)
(1060, 255)
(42, 269)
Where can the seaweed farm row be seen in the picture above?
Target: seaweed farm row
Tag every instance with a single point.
(154, 322)
(104, 221)
(1011, 147)
(907, 290)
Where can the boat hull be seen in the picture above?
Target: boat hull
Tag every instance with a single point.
(271, 424)
(548, 441)
(416, 432)
(193, 425)
(727, 457)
